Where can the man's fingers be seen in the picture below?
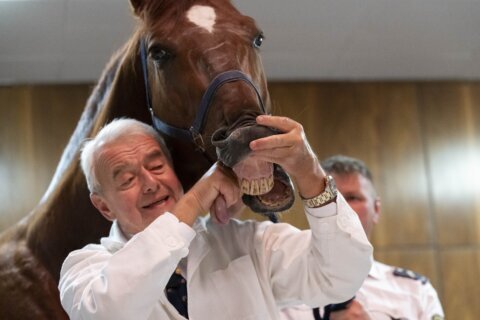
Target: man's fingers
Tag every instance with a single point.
(282, 140)
(272, 155)
(270, 142)
(281, 123)
(286, 141)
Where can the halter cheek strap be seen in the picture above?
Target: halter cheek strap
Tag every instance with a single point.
(193, 134)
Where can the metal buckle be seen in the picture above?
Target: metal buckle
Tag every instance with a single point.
(197, 139)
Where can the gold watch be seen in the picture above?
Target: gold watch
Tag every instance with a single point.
(327, 196)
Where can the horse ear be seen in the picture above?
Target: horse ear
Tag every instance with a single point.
(137, 6)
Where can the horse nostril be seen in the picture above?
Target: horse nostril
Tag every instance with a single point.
(234, 145)
(219, 137)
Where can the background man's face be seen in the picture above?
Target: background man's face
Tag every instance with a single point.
(360, 195)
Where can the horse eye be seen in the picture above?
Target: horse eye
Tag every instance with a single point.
(160, 55)
(257, 42)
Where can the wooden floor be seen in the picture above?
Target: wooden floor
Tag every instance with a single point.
(421, 141)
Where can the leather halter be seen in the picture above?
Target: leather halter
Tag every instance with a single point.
(193, 134)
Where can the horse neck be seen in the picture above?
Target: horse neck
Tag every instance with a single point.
(65, 219)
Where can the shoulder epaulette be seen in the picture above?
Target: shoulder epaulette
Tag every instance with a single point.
(401, 272)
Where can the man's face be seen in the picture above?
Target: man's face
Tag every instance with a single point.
(360, 195)
(137, 183)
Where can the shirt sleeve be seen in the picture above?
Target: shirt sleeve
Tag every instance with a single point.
(326, 264)
(95, 283)
(431, 303)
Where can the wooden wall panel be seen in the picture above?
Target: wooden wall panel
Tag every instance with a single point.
(19, 189)
(399, 167)
(450, 116)
(461, 271)
(35, 125)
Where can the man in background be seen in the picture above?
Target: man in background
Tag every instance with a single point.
(388, 292)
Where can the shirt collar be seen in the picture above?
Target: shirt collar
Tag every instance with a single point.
(115, 240)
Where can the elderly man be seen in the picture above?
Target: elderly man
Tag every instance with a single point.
(233, 269)
(388, 292)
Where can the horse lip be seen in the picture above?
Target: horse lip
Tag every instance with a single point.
(232, 146)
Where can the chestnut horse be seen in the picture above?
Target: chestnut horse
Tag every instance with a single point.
(192, 69)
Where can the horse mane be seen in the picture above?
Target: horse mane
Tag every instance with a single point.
(67, 191)
(32, 251)
(85, 124)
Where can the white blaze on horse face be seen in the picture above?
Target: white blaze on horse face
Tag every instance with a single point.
(202, 16)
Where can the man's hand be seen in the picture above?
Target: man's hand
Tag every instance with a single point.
(217, 191)
(354, 311)
(292, 152)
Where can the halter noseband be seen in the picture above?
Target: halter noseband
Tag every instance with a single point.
(193, 134)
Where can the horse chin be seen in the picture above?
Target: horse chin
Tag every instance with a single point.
(266, 187)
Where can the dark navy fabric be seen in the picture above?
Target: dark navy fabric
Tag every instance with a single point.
(176, 291)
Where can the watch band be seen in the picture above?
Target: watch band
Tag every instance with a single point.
(327, 196)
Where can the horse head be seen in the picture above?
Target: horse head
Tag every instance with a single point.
(205, 85)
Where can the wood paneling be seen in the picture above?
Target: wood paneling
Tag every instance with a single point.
(18, 191)
(35, 125)
(450, 116)
(461, 271)
(421, 141)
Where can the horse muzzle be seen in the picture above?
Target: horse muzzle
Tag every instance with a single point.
(265, 186)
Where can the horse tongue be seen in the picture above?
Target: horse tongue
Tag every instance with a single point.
(254, 176)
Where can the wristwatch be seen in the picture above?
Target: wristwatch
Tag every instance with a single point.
(327, 196)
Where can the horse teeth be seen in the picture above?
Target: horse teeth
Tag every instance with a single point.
(257, 187)
(266, 185)
(263, 186)
(255, 190)
(245, 186)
